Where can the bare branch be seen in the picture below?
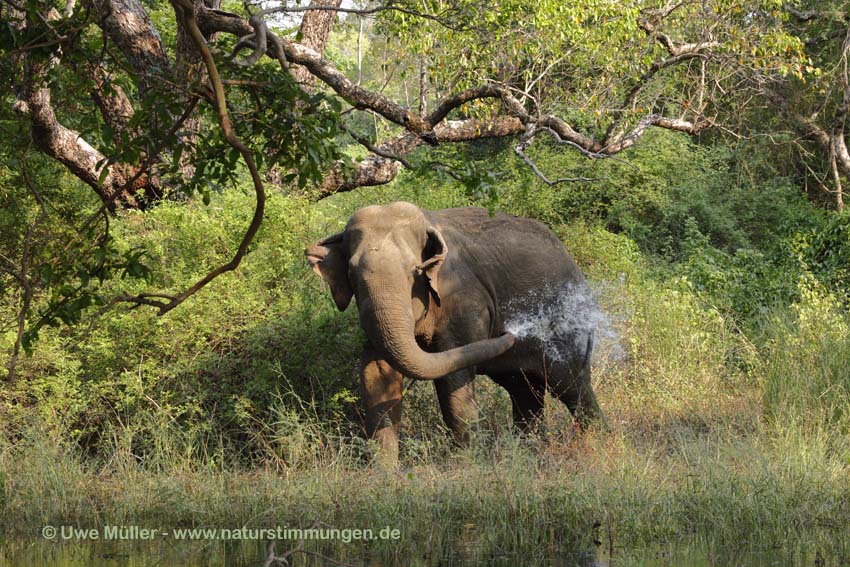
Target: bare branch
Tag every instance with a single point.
(440, 18)
(449, 103)
(632, 94)
(519, 150)
(629, 139)
(384, 153)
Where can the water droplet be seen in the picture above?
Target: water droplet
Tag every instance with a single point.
(561, 318)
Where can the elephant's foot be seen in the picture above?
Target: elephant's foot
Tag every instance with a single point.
(383, 422)
(387, 440)
(585, 409)
(589, 414)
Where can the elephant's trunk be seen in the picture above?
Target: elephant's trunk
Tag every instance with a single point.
(388, 321)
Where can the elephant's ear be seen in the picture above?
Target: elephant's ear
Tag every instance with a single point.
(330, 261)
(434, 255)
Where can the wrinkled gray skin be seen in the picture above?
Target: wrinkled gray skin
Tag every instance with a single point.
(434, 289)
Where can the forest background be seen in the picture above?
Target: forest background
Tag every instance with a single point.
(163, 166)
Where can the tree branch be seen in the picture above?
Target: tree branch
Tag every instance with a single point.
(379, 168)
(519, 150)
(357, 96)
(114, 105)
(316, 26)
(385, 165)
(166, 303)
(653, 19)
(334, 6)
(63, 144)
(631, 95)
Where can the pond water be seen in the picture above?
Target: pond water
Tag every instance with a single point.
(244, 554)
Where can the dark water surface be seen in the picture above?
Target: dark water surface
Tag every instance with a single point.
(19, 553)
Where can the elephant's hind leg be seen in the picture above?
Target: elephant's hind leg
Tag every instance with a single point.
(570, 383)
(581, 401)
(381, 391)
(527, 403)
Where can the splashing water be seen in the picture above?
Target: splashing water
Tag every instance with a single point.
(562, 318)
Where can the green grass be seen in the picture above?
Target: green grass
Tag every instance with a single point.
(240, 407)
(763, 488)
(709, 436)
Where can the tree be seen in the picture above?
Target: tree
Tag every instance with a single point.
(591, 76)
(816, 106)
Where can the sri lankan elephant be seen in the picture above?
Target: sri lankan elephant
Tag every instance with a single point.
(434, 290)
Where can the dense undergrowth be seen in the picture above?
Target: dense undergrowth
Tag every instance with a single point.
(726, 382)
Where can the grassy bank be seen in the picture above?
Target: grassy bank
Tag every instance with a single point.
(709, 435)
(767, 487)
(724, 376)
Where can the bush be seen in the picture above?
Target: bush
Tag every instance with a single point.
(692, 262)
(825, 252)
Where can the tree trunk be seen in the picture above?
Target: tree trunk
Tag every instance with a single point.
(126, 22)
(315, 29)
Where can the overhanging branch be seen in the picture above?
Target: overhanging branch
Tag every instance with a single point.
(434, 128)
(164, 302)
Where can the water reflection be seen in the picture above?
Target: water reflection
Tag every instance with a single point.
(253, 554)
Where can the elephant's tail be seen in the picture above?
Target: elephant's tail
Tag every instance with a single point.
(588, 353)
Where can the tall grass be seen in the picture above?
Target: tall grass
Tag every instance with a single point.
(806, 365)
(240, 408)
(699, 444)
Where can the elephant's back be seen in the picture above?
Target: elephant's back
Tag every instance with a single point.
(478, 221)
(514, 254)
(474, 228)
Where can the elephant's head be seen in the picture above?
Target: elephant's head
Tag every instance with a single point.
(390, 258)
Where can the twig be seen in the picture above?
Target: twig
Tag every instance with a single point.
(273, 559)
(439, 18)
(584, 151)
(23, 277)
(376, 150)
(519, 150)
(108, 203)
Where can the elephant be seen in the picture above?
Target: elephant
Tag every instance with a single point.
(434, 290)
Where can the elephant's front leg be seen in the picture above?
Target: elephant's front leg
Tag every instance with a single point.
(456, 394)
(381, 387)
